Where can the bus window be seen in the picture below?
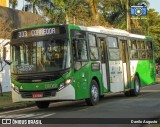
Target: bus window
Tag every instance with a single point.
(114, 52)
(142, 51)
(133, 44)
(93, 47)
(142, 45)
(80, 49)
(149, 45)
(94, 53)
(112, 42)
(92, 40)
(139, 44)
(149, 50)
(102, 49)
(133, 51)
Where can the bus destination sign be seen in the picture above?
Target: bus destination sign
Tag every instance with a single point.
(36, 32)
(39, 32)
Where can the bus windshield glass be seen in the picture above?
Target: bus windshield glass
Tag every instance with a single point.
(40, 56)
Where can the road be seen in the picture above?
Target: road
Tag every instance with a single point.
(146, 105)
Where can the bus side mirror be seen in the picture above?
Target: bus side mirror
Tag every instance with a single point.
(5, 54)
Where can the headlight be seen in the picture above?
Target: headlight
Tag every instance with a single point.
(13, 85)
(15, 88)
(67, 82)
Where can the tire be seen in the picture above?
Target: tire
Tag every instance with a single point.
(136, 90)
(94, 94)
(101, 96)
(42, 104)
(127, 93)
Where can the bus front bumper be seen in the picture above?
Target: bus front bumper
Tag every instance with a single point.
(67, 93)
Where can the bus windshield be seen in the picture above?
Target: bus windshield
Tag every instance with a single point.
(40, 56)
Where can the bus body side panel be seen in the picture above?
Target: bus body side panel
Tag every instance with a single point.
(82, 79)
(145, 71)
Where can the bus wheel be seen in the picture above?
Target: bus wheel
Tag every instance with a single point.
(42, 104)
(127, 93)
(94, 94)
(136, 90)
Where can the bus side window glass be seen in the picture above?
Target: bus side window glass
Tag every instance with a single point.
(93, 47)
(74, 49)
(133, 44)
(139, 45)
(134, 51)
(92, 40)
(80, 49)
(112, 42)
(149, 50)
(143, 51)
(102, 49)
(94, 53)
(142, 44)
(114, 52)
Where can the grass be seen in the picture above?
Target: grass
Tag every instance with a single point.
(6, 101)
(7, 96)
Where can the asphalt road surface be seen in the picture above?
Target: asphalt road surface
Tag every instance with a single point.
(114, 109)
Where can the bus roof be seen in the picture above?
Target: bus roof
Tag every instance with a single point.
(105, 30)
(137, 36)
(98, 29)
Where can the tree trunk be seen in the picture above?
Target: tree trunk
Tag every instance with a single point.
(128, 17)
(1, 93)
(67, 19)
(94, 12)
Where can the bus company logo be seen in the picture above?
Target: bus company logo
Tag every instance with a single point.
(138, 11)
(6, 121)
(37, 86)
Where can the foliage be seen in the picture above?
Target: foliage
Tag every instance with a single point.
(13, 3)
(106, 13)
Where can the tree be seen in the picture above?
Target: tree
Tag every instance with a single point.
(13, 3)
(115, 12)
(152, 27)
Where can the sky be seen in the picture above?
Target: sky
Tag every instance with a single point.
(153, 4)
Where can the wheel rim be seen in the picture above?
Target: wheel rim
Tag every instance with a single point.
(137, 86)
(94, 93)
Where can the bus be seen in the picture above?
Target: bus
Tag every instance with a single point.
(56, 62)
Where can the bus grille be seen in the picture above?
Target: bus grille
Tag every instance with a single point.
(45, 94)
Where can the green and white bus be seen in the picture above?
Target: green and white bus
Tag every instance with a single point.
(52, 62)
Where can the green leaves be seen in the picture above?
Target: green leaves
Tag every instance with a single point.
(13, 3)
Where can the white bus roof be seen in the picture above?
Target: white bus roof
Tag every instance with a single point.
(137, 36)
(101, 29)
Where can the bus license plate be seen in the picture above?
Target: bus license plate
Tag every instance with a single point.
(37, 95)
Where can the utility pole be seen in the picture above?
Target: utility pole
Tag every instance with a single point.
(128, 17)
